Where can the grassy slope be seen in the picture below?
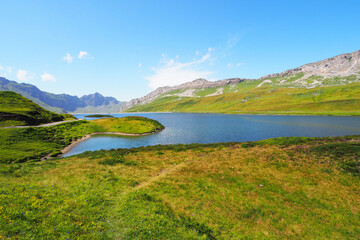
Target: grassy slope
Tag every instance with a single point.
(23, 144)
(17, 110)
(269, 98)
(285, 188)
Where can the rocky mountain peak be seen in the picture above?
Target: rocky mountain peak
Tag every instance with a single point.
(96, 99)
(341, 65)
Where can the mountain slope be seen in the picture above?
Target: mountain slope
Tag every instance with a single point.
(331, 86)
(61, 102)
(196, 84)
(16, 110)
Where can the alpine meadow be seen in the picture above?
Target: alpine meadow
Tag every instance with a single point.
(180, 120)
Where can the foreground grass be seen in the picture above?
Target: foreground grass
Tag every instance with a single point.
(293, 188)
(267, 99)
(24, 144)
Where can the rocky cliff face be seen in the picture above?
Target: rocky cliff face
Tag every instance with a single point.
(196, 84)
(341, 65)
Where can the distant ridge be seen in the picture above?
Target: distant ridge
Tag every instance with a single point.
(93, 103)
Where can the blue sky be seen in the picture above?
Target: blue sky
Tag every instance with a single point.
(126, 49)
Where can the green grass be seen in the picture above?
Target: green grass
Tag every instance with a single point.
(24, 144)
(17, 110)
(272, 99)
(283, 188)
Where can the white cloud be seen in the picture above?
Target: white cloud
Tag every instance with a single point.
(229, 65)
(9, 69)
(83, 54)
(23, 75)
(239, 64)
(140, 65)
(68, 58)
(172, 72)
(46, 77)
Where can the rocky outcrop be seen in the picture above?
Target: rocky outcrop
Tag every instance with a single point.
(198, 83)
(341, 65)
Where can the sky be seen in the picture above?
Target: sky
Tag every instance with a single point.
(126, 49)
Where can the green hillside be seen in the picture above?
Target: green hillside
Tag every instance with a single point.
(283, 188)
(15, 110)
(280, 95)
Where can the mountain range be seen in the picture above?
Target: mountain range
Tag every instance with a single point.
(93, 103)
(327, 86)
(330, 86)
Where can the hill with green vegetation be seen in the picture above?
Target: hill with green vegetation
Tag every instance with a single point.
(330, 86)
(34, 143)
(283, 188)
(15, 110)
(248, 97)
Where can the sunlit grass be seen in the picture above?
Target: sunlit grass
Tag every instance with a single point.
(286, 188)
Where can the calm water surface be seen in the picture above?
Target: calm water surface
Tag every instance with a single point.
(211, 128)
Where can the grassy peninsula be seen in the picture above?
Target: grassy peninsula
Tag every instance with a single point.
(15, 110)
(284, 188)
(33, 143)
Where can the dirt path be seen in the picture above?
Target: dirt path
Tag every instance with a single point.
(43, 125)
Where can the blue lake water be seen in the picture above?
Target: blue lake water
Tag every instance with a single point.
(211, 128)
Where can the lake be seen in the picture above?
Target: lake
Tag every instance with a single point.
(212, 128)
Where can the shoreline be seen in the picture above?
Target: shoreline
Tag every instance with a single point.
(264, 113)
(74, 143)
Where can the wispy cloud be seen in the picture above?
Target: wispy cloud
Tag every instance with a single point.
(46, 77)
(232, 41)
(24, 76)
(68, 58)
(4, 71)
(172, 72)
(83, 54)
